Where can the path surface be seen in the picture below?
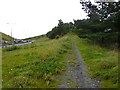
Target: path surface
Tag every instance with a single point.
(76, 75)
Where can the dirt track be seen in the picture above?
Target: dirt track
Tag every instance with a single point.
(76, 75)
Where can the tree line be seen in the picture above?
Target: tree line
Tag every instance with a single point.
(101, 26)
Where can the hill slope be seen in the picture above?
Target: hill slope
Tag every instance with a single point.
(35, 37)
(54, 63)
(6, 37)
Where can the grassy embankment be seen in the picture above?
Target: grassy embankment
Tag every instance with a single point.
(38, 64)
(35, 65)
(102, 63)
(6, 37)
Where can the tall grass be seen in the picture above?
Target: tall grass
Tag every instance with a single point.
(11, 48)
(35, 65)
(102, 63)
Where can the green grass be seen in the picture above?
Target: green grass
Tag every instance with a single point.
(35, 65)
(6, 37)
(38, 64)
(11, 48)
(36, 37)
(102, 63)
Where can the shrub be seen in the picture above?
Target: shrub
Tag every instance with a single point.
(11, 48)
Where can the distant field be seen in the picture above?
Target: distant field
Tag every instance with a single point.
(35, 37)
(37, 65)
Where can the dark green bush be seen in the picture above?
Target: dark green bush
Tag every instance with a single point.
(11, 48)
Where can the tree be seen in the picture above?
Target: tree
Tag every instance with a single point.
(103, 21)
(61, 29)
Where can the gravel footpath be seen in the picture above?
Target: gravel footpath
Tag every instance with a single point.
(76, 75)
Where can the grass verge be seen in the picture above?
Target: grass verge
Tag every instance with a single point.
(102, 63)
(35, 65)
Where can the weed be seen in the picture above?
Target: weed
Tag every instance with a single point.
(35, 65)
(11, 48)
(73, 62)
(74, 57)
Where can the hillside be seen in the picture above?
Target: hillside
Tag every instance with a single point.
(79, 54)
(35, 37)
(6, 37)
(55, 64)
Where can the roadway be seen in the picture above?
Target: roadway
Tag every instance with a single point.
(20, 44)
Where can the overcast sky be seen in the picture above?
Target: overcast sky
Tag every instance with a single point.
(29, 18)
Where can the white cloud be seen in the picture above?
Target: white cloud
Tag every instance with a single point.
(29, 18)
